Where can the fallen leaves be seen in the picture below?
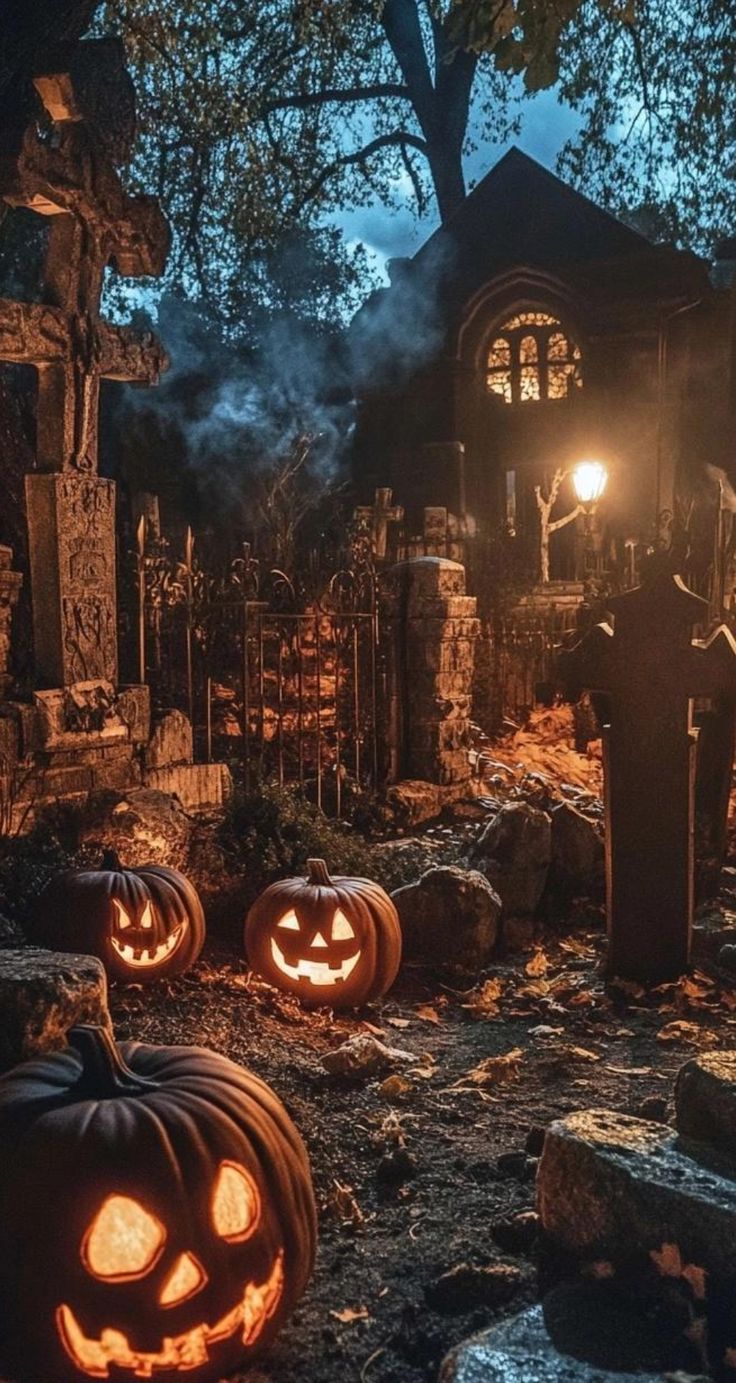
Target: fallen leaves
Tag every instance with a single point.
(669, 1263)
(680, 1031)
(348, 1314)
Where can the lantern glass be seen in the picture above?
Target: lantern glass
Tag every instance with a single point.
(589, 480)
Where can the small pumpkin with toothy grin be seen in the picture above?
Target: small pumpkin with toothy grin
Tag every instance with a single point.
(156, 1214)
(142, 923)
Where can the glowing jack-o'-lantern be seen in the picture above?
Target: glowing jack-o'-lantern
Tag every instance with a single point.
(156, 1213)
(329, 941)
(142, 923)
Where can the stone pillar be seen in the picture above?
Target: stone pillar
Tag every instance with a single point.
(71, 532)
(437, 633)
(10, 584)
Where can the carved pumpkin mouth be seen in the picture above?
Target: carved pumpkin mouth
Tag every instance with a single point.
(187, 1351)
(316, 971)
(151, 955)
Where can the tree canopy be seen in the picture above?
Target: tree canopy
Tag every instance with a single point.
(262, 120)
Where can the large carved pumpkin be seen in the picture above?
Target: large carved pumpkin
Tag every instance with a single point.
(156, 1214)
(329, 941)
(142, 923)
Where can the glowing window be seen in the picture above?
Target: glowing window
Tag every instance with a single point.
(532, 357)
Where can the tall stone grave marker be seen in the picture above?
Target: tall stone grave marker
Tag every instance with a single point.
(651, 668)
(68, 173)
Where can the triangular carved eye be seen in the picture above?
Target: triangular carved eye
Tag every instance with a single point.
(123, 920)
(290, 922)
(123, 1241)
(236, 1203)
(147, 916)
(342, 929)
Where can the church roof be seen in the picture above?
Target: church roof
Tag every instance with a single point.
(521, 213)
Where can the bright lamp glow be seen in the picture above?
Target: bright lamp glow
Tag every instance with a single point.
(589, 479)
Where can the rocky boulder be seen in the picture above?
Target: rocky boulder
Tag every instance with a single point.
(42, 995)
(413, 801)
(449, 919)
(514, 852)
(578, 862)
(705, 1099)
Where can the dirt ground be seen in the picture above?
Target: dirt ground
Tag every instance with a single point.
(419, 1175)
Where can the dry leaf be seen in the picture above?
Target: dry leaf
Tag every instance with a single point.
(351, 1313)
(398, 1022)
(538, 965)
(497, 1070)
(681, 1031)
(393, 1087)
(344, 1207)
(428, 1013)
(483, 1002)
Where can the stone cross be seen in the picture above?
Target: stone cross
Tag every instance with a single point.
(377, 518)
(651, 668)
(69, 175)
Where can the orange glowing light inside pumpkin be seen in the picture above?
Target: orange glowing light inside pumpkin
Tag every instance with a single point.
(186, 1278)
(123, 1241)
(236, 1203)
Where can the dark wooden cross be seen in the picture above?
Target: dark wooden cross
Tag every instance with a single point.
(378, 516)
(651, 669)
(94, 222)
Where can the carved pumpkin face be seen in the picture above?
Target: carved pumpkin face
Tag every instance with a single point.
(142, 923)
(329, 941)
(186, 1243)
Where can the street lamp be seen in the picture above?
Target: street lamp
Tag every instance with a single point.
(589, 481)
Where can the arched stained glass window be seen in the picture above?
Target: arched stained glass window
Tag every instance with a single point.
(533, 357)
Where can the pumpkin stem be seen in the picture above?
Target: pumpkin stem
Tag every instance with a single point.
(317, 873)
(104, 1075)
(111, 860)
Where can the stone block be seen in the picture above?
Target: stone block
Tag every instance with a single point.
(195, 785)
(143, 825)
(42, 995)
(449, 920)
(521, 1350)
(80, 716)
(171, 741)
(705, 1099)
(9, 742)
(612, 1188)
(432, 576)
(134, 709)
(514, 851)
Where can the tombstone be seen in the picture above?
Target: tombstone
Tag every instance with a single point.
(376, 518)
(651, 669)
(71, 178)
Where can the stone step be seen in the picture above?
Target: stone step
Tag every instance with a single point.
(705, 1099)
(613, 1189)
(521, 1351)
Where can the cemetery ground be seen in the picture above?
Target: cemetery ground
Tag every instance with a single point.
(425, 1162)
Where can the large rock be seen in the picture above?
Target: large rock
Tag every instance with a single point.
(42, 995)
(413, 801)
(514, 853)
(705, 1099)
(610, 1188)
(449, 919)
(143, 826)
(521, 1351)
(577, 850)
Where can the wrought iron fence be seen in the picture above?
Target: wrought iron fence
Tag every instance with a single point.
(282, 681)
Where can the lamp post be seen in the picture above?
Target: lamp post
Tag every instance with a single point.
(589, 481)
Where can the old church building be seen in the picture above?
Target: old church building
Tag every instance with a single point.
(534, 330)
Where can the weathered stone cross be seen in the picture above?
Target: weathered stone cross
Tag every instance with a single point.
(69, 175)
(651, 668)
(378, 516)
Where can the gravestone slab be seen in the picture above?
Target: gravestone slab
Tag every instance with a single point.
(651, 668)
(42, 995)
